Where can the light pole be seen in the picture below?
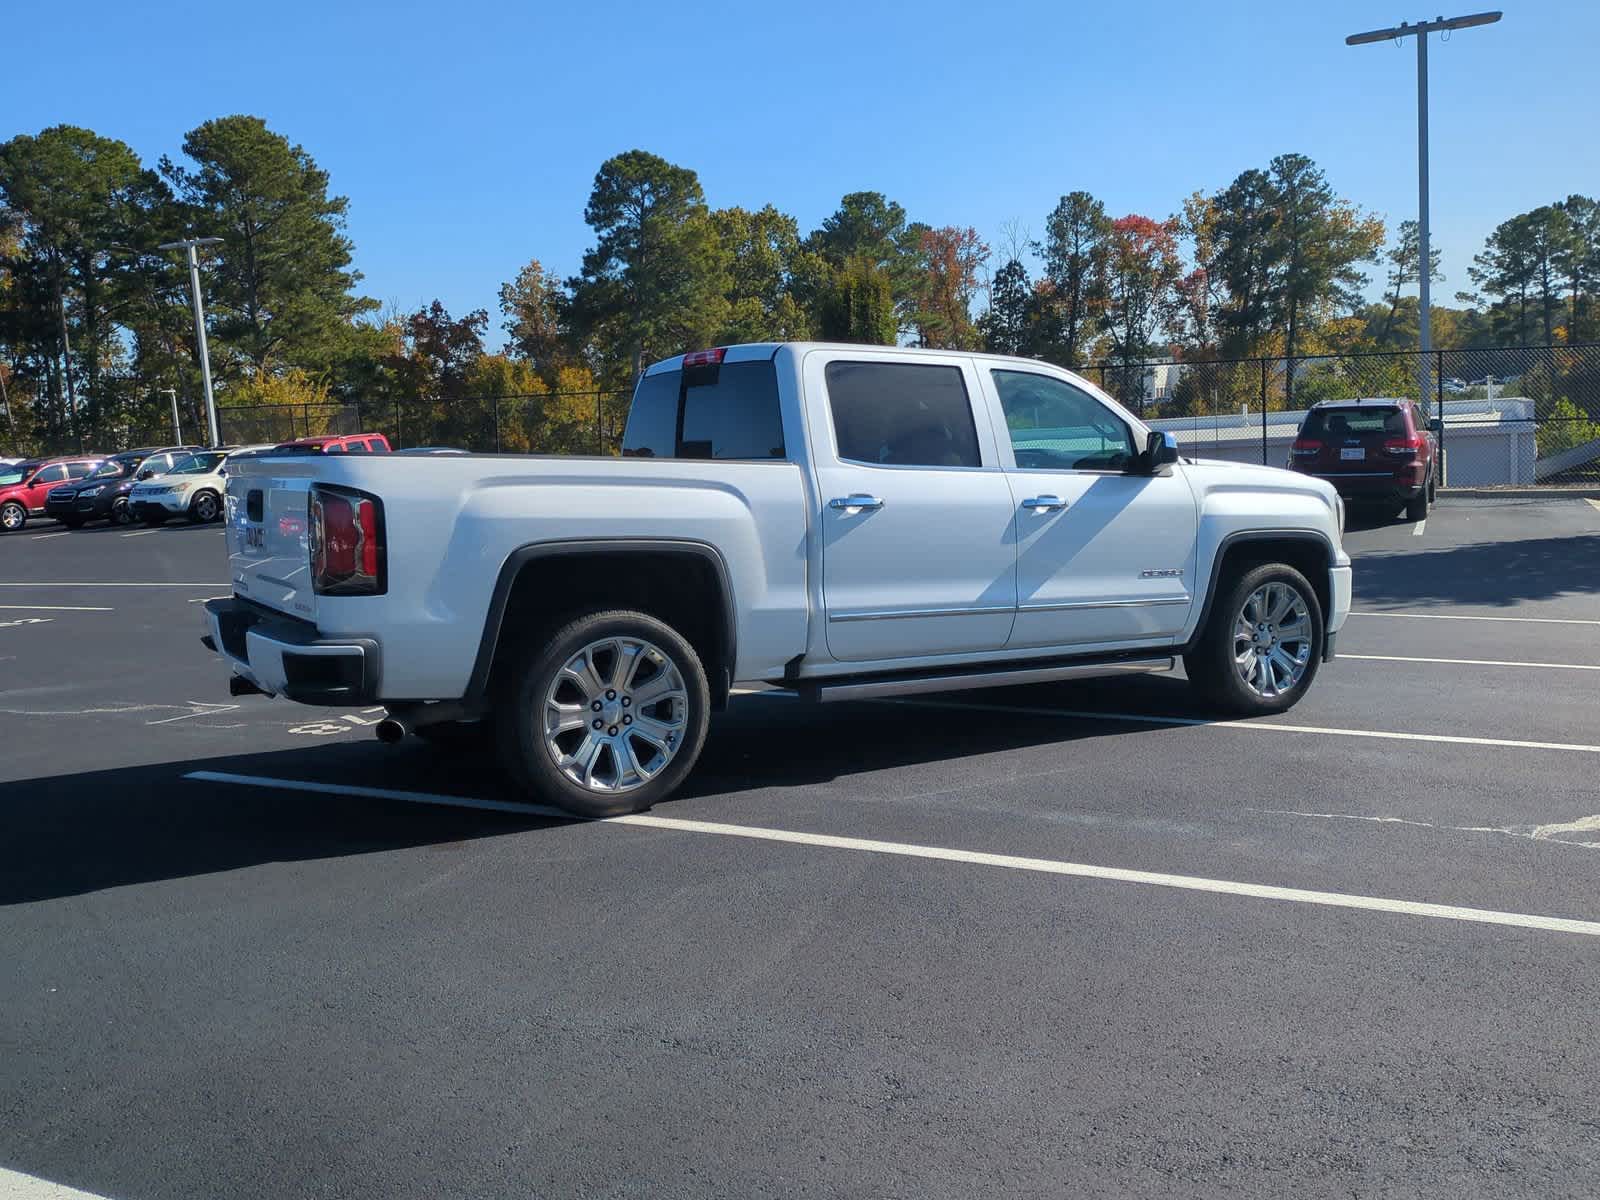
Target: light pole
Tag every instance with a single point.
(188, 245)
(1421, 30)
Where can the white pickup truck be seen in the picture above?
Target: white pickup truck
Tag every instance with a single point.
(848, 522)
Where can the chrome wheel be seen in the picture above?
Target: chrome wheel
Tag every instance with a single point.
(205, 507)
(615, 714)
(12, 517)
(1272, 640)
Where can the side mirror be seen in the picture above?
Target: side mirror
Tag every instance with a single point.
(1160, 451)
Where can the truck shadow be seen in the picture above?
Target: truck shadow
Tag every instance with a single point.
(1483, 573)
(72, 834)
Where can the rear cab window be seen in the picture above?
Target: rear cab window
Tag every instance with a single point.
(726, 411)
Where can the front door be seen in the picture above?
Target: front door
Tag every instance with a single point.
(1103, 556)
(918, 551)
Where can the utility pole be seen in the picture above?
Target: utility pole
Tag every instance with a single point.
(188, 245)
(177, 429)
(1420, 31)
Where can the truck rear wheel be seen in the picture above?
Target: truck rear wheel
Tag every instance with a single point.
(607, 716)
(1262, 643)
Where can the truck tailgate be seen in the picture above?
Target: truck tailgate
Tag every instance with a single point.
(269, 556)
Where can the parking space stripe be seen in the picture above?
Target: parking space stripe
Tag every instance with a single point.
(1416, 530)
(1047, 866)
(17, 1186)
(42, 536)
(1248, 724)
(1470, 662)
(141, 532)
(53, 608)
(1593, 503)
(1371, 612)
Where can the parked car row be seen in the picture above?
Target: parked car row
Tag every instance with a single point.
(152, 484)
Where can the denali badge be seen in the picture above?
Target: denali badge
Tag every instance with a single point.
(1164, 573)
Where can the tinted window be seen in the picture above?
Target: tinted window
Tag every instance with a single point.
(1053, 424)
(727, 411)
(378, 445)
(53, 474)
(359, 447)
(905, 414)
(1353, 422)
(78, 470)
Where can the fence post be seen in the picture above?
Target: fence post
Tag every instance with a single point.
(399, 432)
(1264, 413)
(599, 427)
(495, 400)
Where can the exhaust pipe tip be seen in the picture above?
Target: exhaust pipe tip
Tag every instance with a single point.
(390, 731)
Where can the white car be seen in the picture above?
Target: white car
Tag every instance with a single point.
(193, 488)
(849, 522)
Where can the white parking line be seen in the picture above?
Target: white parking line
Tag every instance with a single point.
(17, 1186)
(53, 608)
(1416, 530)
(1593, 502)
(41, 536)
(1047, 866)
(1369, 612)
(141, 532)
(1472, 662)
(98, 583)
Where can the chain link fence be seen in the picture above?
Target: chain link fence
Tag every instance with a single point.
(1507, 415)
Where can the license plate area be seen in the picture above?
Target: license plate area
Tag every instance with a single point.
(1353, 454)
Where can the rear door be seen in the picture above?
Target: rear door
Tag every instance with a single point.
(1349, 442)
(918, 536)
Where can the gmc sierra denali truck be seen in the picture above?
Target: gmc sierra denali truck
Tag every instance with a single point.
(849, 522)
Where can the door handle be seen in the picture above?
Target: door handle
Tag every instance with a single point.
(858, 501)
(1044, 503)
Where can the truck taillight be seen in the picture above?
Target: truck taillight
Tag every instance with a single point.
(347, 543)
(704, 358)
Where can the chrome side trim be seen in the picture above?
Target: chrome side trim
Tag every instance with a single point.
(1104, 604)
(872, 689)
(887, 614)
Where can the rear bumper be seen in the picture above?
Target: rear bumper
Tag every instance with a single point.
(1405, 484)
(286, 657)
(171, 505)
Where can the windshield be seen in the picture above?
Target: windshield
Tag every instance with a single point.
(9, 477)
(197, 464)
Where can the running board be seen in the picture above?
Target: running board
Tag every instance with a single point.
(823, 692)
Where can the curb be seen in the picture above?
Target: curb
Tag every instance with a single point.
(1555, 492)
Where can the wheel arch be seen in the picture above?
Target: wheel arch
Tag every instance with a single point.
(668, 578)
(1307, 550)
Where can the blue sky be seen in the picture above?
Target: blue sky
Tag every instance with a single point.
(466, 135)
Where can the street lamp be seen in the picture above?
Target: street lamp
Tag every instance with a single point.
(188, 245)
(1424, 262)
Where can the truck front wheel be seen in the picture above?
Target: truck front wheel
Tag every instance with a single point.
(607, 716)
(1262, 643)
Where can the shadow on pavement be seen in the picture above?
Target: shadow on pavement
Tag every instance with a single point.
(69, 834)
(1485, 573)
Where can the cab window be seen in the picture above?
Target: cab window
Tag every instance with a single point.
(902, 414)
(51, 474)
(1055, 426)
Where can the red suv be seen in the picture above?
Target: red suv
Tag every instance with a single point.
(23, 490)
(340, 443)
(1377, 451)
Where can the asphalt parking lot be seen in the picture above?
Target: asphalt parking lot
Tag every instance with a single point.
(1059, 940)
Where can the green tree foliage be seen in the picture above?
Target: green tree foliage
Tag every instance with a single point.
(1007, 325)
(1142, 271)
(1565, 426)
(534, 307)
(1404, 259)
(858, 305)
(1577, 262)
(280, 286)
(656, 281)
(1075, 250)
(1522, 266)
(1244, 223)
(764, 261)
(869, 228)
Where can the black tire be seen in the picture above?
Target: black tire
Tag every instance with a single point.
(1433, 486)
(204, 508)
(1417, 510)
(121, 514)
(13, 517)
(533, 670)
(1211, 665)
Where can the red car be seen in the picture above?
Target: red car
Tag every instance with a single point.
(23, 495)
(1373, 451)
(336, 443)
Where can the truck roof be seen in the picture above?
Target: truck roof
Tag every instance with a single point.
(756, 351)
